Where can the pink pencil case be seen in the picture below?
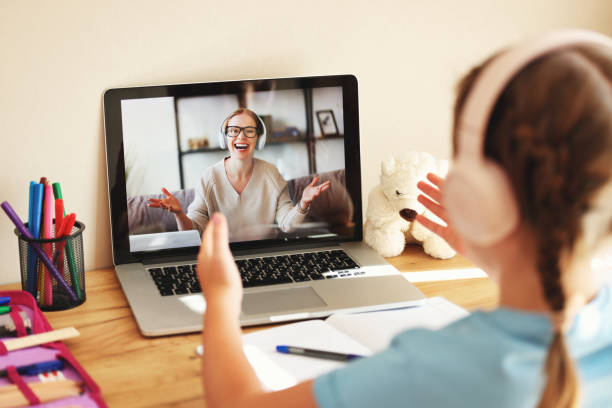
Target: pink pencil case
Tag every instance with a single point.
(27, 319)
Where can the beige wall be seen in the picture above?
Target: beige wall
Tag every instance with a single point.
(56, 58)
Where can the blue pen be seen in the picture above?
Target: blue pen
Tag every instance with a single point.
(37, 368)
(4, 300)
(34, 215)
(328, 355)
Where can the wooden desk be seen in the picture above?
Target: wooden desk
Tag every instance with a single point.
(135, 371)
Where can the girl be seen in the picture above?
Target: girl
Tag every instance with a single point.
(550, 341)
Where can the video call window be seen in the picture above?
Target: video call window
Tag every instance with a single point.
(173, 142)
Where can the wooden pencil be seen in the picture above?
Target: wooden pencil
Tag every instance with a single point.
(41, 338)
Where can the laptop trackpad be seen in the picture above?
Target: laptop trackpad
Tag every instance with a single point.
(281, 300)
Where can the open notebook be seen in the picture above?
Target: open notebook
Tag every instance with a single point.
(360, 333)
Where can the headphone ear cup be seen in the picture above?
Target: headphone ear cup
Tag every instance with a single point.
(480, 202)
(261, 141)
(221, 138)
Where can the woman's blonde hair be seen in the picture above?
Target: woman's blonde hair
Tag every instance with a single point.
(551, 131)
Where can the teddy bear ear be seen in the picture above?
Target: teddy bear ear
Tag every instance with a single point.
(388, 166)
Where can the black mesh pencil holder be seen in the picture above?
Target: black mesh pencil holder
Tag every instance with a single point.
(54, 291)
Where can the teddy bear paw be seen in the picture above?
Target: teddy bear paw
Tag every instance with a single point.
(386, 243)
(438, 248)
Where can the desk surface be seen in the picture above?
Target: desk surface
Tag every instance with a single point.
(135, 371)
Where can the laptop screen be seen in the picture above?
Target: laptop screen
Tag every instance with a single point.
(279, 157)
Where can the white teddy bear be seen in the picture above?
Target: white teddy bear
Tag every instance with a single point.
(388, 232)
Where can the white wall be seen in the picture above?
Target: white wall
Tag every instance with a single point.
(57, 57)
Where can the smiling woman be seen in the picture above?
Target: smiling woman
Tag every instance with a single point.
(250, 192)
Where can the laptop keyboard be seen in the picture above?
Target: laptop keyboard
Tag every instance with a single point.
(182, 279)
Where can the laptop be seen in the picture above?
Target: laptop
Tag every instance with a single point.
(171, 137)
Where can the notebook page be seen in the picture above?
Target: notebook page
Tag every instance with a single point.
(376, 329)
(277, 371)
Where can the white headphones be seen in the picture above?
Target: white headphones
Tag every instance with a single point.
(478, 196)
(261, 141)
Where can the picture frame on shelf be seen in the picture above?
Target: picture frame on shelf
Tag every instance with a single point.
(327, 123)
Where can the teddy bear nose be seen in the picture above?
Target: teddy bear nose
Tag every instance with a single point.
(398, 193)
(408, 214)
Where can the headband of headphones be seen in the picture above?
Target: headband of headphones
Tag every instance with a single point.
(477, 109)
(261, 140)
(478, 196)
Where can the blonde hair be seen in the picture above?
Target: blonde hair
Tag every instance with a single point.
(551, 131)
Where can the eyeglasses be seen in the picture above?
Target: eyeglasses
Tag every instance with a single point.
(248, 131)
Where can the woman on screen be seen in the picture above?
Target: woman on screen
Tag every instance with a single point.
(250, 192)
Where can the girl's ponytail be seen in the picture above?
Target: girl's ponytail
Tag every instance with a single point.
(562, 389)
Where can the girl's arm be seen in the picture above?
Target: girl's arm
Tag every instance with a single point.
(228, 378)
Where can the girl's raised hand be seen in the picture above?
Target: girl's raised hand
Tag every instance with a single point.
(432, 199)
(217, 271)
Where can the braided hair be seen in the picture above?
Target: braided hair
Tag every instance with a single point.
(551, 131)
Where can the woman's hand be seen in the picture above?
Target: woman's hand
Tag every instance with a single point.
(217, 271)
(170, 203)
(432, 201)
(312, 191)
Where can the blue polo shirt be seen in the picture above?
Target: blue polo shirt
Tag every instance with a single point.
(488, 359)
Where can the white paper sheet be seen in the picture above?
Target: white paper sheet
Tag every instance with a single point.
(376, 329)
(362, 333)
(276, 370)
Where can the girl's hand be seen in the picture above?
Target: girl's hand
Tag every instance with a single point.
(312, 191)
(217, 271)
(431, 200)
(170, 203)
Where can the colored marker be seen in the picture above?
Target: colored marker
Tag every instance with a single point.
(58, 258)
(48, 234)
(41, 266)
(59, 219)
(35, 211)
(57, 193)
(59, 214)
(4, 300)
(4, 309)
(43, 257)
(328, 355)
